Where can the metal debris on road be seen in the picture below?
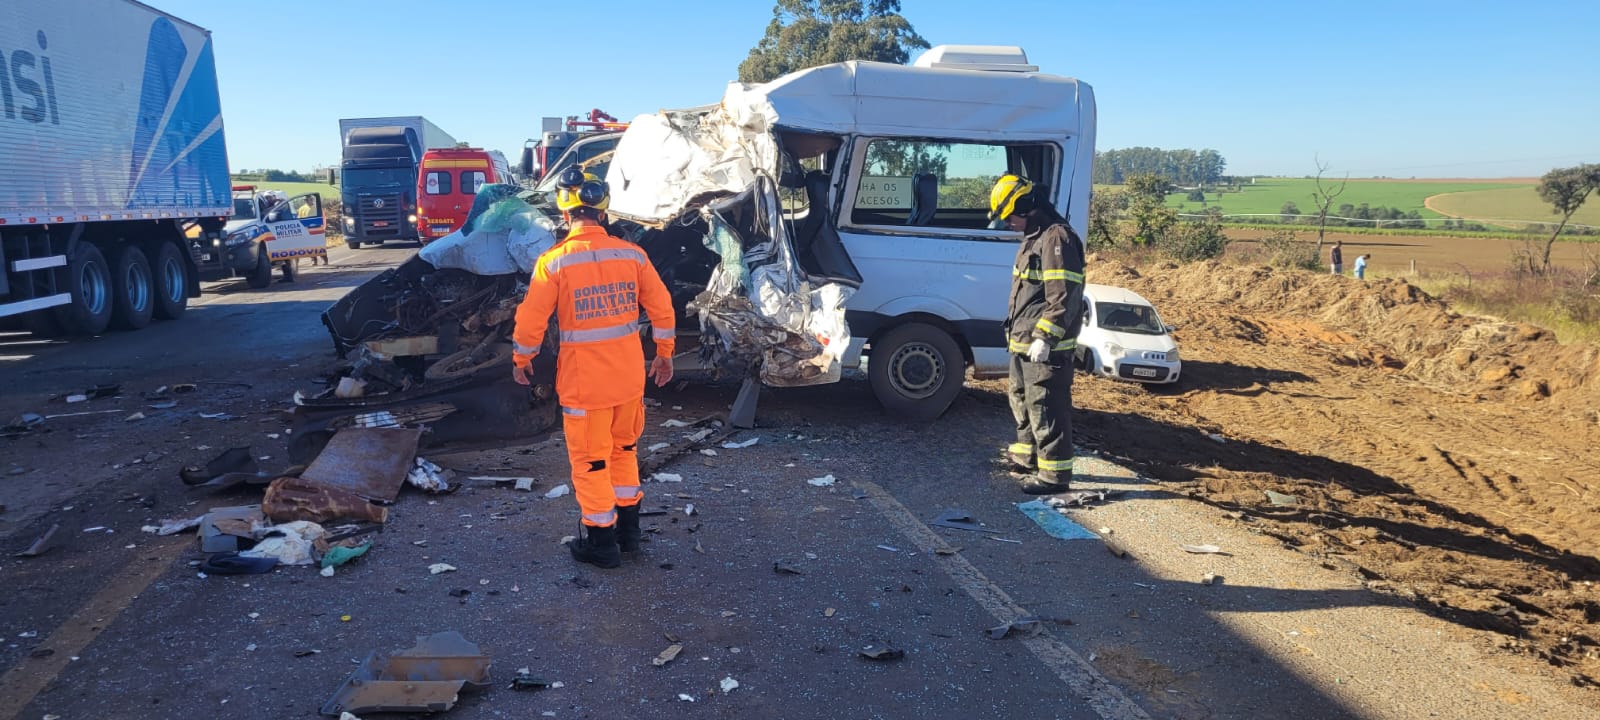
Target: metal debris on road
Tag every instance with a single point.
(824, 481)
(231, 461)
(890, 548)
(1203, 549)
(666, 477)
(785, 569)
(232, 563)
(425, 475)
(525, 680)
(42, 544)
(290, 498)
(667, 655)
(1080, 498)
(741, 445)
(960, 520)
(223, 528)
(437, 568)
(306, 653)
(1053, 523)
(429, 677)
(216, 416)
(558, 491)
(1005, 540)
(370, 462)
(882, 653)
(134, 417)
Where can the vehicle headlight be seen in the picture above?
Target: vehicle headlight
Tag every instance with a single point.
(1115, 350)
(411, 218)
(1172, 355)
(216, 242)
(238, 238)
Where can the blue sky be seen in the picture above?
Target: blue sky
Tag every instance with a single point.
(1403, 89)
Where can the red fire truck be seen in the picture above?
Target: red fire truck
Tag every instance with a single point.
(537, 155)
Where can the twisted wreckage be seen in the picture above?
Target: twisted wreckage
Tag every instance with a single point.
(428, 343)
(747, 208)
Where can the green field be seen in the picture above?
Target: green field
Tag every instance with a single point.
(1515, 203)
(1267, 195)
(329, 192)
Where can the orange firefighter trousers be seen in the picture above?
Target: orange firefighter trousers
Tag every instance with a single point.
(602, 446)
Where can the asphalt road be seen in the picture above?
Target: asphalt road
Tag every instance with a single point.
(772, 582)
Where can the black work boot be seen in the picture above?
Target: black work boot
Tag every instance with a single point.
(1037, 485)
(598, 549)
(628, 532)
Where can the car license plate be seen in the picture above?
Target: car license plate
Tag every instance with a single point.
(381, 223)
(1145, 372)
(205, 257)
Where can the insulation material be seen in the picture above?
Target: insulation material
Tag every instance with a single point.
(668, 159)
(508, 239)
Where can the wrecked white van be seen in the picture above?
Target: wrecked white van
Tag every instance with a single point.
(839, 215)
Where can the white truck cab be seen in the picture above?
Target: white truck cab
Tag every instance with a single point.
(896, 162)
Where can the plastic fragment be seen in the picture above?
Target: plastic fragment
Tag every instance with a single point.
(741, 445)
(437, 568)
(667, 655)
(666, 477)
(558, 491)
(1202, 549)
(674, 423)
(729, 684)
(824, 481)
(882, 653)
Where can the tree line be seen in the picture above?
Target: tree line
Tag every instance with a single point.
(1179, 167)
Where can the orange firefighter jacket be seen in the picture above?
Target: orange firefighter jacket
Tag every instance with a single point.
(595, 283)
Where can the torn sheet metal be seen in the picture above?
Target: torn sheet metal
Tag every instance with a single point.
(429, 677)
(223, 528)
(1054, 523)
(370, 462)
(760, 310)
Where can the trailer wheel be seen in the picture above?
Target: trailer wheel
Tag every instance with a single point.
(352, 243)
(261, 276)
(172, 282)
(89, 282)
(135, 298)
(916, 370)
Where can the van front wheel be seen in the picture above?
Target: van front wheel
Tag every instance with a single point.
(916, 371)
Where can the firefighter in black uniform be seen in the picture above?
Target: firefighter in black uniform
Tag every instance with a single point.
(1045, 312)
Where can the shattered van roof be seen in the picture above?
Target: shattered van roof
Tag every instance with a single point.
(872, 98)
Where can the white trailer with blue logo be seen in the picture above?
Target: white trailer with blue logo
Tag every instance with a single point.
(112, 144)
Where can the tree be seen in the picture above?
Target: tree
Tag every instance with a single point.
(1565, 189)
(1152, 219)
(808, 33)
(1104, 206)
(1290, 212)
(1324, 196)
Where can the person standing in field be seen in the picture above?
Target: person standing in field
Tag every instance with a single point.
(1361, 266)
(1336, 257)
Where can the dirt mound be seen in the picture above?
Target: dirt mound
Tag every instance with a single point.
(1449, 459)
(1386, 323)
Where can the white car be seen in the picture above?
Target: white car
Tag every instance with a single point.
(1124, 338)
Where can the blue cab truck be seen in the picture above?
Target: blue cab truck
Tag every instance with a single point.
(111, 146)
(378, 176)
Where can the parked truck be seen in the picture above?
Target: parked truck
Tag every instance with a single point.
(378, 175)
(111, 142)
(557, 136)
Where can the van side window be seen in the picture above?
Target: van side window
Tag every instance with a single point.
(929, 183)
(471, 180)
(437, 183)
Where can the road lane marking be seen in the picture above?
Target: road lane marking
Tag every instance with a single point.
(1082, 678)
(30, 676)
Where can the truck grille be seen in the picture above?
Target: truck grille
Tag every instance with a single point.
(385, 221)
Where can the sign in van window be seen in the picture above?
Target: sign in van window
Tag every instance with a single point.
(884, 192)
(437, 183)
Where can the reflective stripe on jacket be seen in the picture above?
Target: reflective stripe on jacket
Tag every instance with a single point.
(1046, 289)
(595, 284)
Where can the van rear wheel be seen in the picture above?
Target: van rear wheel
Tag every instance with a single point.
(916, 370)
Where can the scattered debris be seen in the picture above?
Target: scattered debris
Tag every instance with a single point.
(460, 593)
(1053, 523)
(231, 461)
(1080, 498)
(667, 655)
(729, 685)
(429, 677)
(524, 484)
(370, 462)
(688, 510)
(708, 452)
(1029, 626)
(674, 423)
(741, 445)
(437, 568)
(526, 681)
(1203, 549)
(306, 653)
(1115, 548)
(658, 447)
(1211, 579)
(427, 476)
(882, 653)
(216, 416)
(824, 481)
(326, 572)
(77, 398)
(960, 520)
(291, 498)
(98, 528)
(1217, 438)
(666, 477)
(24, 423)
(134, 417)
(1281, 500)
(829, 612)
(184, 388)
(41, 545)
(685, 697)
(350, 388)
(337, 555)
(890, 548)
(232, 563)
(291, 543)
(223, 528)
(168, 405)
(784, 569)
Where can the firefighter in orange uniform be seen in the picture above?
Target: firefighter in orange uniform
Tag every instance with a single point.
(596, 284)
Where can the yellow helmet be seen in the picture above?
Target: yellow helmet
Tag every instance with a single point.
(576, 188)
(1004, 198)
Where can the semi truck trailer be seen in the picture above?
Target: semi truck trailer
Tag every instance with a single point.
(112, 139)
